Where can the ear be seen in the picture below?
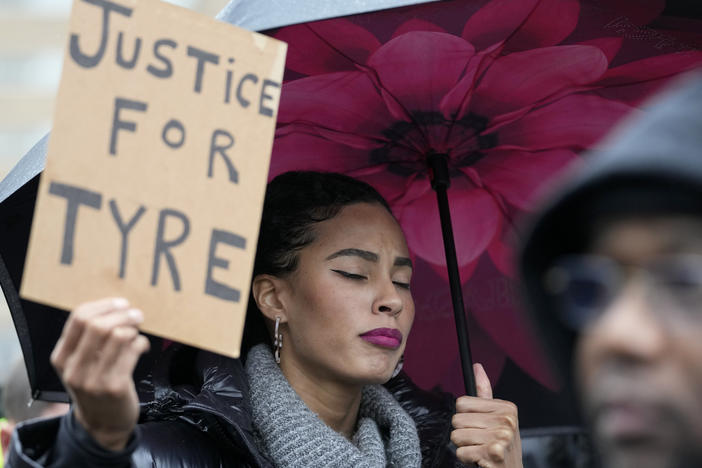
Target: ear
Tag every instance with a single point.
(270, 292)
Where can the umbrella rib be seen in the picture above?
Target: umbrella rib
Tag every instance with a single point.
(311, 125)
(504, 42)
(397, 101)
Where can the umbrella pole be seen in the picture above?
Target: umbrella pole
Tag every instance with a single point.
(440, 181)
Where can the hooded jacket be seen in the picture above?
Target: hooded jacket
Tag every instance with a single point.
(199, 416)
(652, 164)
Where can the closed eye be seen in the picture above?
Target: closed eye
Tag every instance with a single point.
(402, 285)
(346, 274)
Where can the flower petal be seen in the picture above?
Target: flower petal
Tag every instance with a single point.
(298, 151)
(651, 68)
(493, 301)
(518, 176)
(608, 45)
(327, 46)
(434, 334)
(522, 78)
(456, 103)
(417, 24)
(343, 102)
(398, 190)
(464, 271)
(420, 67)
(635, 81)
(475, 218)
(523, 24)
(540, 29)
(574, 122)
(496, 21)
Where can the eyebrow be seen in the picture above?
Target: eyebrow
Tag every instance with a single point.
(368, 256)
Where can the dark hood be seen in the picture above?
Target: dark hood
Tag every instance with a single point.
(652, 164)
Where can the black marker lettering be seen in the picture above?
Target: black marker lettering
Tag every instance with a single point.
(74, 198)
(163, 247)
(121, 61)
(124, 229)
(239, 95)
(167, 71)
(177, 126)
(215, 288)
(122, 103)
(87, 61)
(202, 57)
(216, 147)
(262, 109)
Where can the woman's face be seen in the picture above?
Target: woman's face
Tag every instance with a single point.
(348, 305)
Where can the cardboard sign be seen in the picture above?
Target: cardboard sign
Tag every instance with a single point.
(156, 168)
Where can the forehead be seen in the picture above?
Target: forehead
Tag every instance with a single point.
(638, 237)
(362, 225)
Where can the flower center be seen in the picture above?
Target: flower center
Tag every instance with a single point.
(409, 143)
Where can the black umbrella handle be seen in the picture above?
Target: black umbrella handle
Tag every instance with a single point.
(440, 182)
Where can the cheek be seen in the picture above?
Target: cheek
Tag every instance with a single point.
(584, 361)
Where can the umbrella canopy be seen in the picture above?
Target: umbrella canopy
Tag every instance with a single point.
(507, 93)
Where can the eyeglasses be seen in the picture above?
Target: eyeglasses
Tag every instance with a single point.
(583, 286)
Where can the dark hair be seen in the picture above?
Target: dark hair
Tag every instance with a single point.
(295, 202)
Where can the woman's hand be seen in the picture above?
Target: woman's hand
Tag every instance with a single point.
(95, 358)
(486, 431)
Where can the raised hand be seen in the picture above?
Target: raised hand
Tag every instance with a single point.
(95, 358)
(486, 431)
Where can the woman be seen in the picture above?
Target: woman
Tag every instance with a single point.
(331, 288)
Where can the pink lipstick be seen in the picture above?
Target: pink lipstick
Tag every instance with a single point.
(390, 338)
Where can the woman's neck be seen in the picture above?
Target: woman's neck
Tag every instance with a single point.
(336, 403)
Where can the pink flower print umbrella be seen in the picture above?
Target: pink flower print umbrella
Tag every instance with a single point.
(493, 98)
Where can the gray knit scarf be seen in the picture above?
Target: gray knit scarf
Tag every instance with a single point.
(293, 436)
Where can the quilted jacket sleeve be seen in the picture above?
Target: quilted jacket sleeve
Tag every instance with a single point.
(60, 442)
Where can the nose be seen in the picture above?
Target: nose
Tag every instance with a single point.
(628, 330)
(388, 299)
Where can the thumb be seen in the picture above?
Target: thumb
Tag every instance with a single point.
(482, 382)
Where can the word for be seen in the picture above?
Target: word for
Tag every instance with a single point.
(173, 135)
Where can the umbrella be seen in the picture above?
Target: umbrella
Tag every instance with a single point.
(491, 97)
(489, 188)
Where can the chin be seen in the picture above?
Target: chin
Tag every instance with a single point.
(375, 373)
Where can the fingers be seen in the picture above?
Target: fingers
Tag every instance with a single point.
(492, 456)
(99, 344)
(73, 329)
(128, 347)
(467, 404)
(467, 437)
(486, 432)
(485, 420)
(482, 382)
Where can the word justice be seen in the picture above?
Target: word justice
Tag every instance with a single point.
(243, 89)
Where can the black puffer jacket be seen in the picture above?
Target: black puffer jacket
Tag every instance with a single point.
(199, 416)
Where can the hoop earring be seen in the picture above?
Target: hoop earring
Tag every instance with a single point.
(398, 367)
(278, 340)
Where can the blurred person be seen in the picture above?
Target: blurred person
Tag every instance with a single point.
(329, 317)
(18, 404)
(612, 271)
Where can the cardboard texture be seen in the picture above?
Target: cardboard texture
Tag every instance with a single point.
(156, 168)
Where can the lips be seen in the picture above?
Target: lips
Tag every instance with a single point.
(389, 338)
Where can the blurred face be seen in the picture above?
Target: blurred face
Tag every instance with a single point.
(639, 362)
(348, 304)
